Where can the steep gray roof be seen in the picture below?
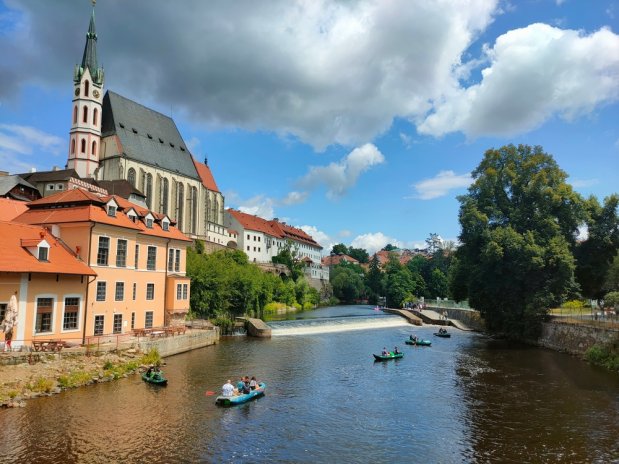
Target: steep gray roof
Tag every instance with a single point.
(8, 182)
(146, 136)
(50, 176)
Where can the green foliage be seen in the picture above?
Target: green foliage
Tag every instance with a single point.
(360, 254)
(339, 248)
(152, 357)
(519, 222)
(308, 306)
(389, 247)
(573, 304)
(347, 282)
(289, 257)
(108, 365)
(41, 385)
(603, 356)
(273, 308)
(594, 256)
(225, 323)
(198, 246)
(611, 299)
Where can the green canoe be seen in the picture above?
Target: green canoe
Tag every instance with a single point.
(380, 357)
(418, 342)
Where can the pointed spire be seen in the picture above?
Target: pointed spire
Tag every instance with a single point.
(89, 59)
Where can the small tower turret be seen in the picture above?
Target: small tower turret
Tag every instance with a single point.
(85, 134)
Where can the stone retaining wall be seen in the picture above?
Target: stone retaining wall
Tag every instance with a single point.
(191, 340)
(468, 317)
(576, 338)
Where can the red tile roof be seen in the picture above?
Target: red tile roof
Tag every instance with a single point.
(15, 257)
(10, 209)
(337, 259)
(205, 175)
(273, 228)
(81, 206)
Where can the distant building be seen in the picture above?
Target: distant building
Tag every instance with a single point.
(139, 258)
(335, 259)
(262, 239)
(17, 188)
(59, 180)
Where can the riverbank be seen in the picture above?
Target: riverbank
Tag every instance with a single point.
(30, 375)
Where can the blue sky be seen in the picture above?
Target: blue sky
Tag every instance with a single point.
(359, 121)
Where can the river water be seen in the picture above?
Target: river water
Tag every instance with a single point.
(467, 399)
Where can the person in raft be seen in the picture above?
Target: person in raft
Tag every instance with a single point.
(385, 352)
(240, 385)
(227, 389)
(442, 331)
(413, 338)
(253, 383)
(395, 350)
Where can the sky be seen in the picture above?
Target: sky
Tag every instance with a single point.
(358, 121)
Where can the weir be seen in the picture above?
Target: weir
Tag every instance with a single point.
(334, 324)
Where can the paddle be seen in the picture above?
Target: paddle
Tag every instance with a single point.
(209, 393)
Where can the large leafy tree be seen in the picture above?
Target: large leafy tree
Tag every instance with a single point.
(340, 248)
(594, 256)
(519, 222)
(347, 282)
(360, 254)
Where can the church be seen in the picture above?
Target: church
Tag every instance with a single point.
(113, 138)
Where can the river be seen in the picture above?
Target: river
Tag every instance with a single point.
(467, 399)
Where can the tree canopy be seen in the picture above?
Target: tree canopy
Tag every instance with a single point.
(519, 223)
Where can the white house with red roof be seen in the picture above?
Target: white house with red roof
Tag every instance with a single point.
(262, 239)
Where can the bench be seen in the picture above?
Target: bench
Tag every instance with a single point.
(47, 345)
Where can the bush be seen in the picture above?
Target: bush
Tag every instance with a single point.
(297, 306)
(308, 306)
(41, 385)
(573, 304)
(273, 307)
(611, 299)
(225, 323)
(74, 379)
(603, 356)
(152, 357)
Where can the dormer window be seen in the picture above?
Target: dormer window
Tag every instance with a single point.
(111, 211)
(43, 253)
(149, 223)
(165, 225)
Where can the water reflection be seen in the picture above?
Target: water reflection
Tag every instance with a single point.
(465, 399)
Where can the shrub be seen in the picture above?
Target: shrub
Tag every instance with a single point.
(152, 357)
(41, 385)
(108, 365)
(573, 304)
(74, 379)
(308, 306)
(611, 299)
(297, 306)
(603, 356)
(273, 307)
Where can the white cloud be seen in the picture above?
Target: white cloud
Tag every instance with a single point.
(581, 183)
(18, 143)
(373, 242)
(321, 237)
(259, 205)
(406, 139)
(325, 71)
(295, 198)
(441, 184)
(341, 176)
(535, 73)
(344, 233)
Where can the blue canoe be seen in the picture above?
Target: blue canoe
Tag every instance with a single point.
(240, 399)
(418, 342)
(444, 334)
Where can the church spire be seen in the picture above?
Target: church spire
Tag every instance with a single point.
(89, 59)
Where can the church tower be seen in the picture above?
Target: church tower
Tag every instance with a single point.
(85, 131)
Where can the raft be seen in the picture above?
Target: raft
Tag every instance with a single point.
(156, 378)
(418, 342)
(380, 357)
(444, 335)
(240, 399)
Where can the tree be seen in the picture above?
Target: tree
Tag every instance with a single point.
(399, 287)
(434, 242)
(519, 221)
(347, 283)
(374, 279)
(360, 254)
(611, 283)
(595, 255)
(340, 248)
(289, 257)
(389, 247)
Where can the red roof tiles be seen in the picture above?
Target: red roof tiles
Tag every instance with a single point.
(15, 256)
(10, 209)
(205, 175)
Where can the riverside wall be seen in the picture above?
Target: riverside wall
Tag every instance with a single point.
(576, 338)
(191, 340)
(469, 317)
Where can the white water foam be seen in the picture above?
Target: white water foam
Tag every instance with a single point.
(339, 326)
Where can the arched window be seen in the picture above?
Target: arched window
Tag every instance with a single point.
(83, 146)
(131, 176)
(95, 116)
(180, 203)
(214, 208)
(86, 88)
(93, 150)
(149, 190)
(73, 146)
(194, 210)
(75, 114)
(142, 181)
(165, 188)
(85, 114)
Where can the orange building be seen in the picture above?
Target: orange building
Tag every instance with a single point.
(138, 256)
(48, 281)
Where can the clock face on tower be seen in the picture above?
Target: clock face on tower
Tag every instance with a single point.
(95, 93)
(77, 91)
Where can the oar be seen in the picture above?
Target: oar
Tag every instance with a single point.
(209, 393)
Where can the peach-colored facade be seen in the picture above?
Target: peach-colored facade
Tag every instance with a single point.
(139, 259)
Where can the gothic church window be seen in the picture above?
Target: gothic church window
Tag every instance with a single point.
(164, 196)
(73, 146)
(85, 114)
(83, 146)
(131, 176)
(149, 190)
(95, 116)
(75, 114)
(86, 89)
(93, 151)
